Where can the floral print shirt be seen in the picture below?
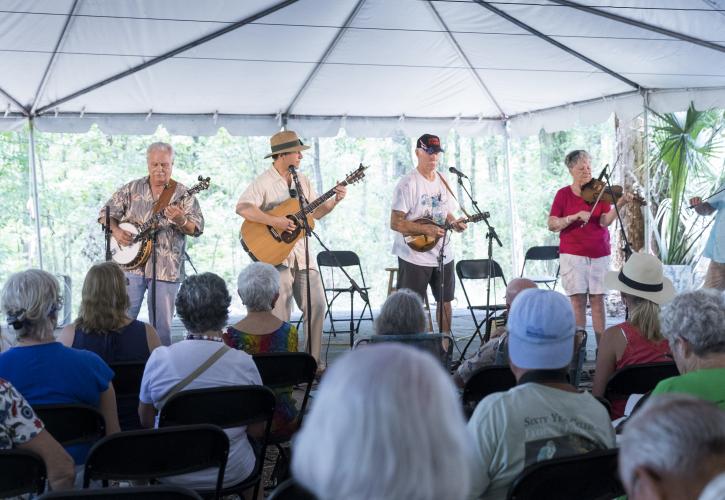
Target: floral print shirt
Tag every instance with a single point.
(18, 422)
(134, 203)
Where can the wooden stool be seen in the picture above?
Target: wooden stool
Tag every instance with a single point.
(392, 286)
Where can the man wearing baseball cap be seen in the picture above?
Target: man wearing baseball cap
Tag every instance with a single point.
(269, 189)
(544, 416)
(425, 194)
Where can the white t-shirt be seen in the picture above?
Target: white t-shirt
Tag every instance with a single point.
(418, 197)
(169, 365)
(527, 424)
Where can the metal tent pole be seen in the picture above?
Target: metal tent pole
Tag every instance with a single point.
(34, 186)
(512, 214)
(647, 210)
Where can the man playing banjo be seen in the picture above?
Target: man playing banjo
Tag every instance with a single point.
(135, 203)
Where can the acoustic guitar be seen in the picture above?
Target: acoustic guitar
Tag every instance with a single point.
(423, 242)
(267, 244)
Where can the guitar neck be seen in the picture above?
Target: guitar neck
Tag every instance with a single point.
(312, 206)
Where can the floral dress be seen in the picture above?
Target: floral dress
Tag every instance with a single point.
(18, 422)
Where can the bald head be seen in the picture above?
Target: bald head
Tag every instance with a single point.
(516, 286)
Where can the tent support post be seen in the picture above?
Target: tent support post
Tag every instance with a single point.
(34, 186)
(512, 214)
(647, 210)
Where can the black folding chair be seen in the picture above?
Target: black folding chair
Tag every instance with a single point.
(154, 453)
(591, 476)
(477, 270)
(127, 385)
(429, 342)
(156, 492)
(72, 424)
(638, 379)
(282, 371)
(335, 284)
(21, 472)
(542, 253)
(227, 407)
(291, 490)
(485, 381)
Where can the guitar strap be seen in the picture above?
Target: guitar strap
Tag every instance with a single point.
(443, 180)
(165, 197)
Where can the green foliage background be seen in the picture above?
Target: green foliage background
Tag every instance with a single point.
(77, 173)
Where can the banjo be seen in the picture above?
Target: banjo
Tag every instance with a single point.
(138, 252)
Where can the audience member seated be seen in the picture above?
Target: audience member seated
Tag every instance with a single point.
(637, 340)
(45, 371)
(672, 448)
(493, 352)
(261, 331)
(104, 327)
(715, 489)
(402, 313)
(544, 416)
(693, 324)
(20, 428)
(203, 306)
(386, 424)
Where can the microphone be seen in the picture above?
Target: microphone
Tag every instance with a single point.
(454, 170)
(292, 192)
(603, 173)
(292, 189)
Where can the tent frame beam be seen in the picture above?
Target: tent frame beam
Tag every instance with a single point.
(25, 111)
(462, 55)
(641, 24)
(54, 56)
(167, 55)
(325, 55)
(558, 44)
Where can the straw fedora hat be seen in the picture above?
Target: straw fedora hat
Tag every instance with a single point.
(285, 142)
(642, 277)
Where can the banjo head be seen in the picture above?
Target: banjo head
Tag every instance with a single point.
(122, 255)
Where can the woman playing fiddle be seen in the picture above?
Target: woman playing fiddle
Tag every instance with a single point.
(584, 246)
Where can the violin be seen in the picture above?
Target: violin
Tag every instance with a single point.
(591, 193)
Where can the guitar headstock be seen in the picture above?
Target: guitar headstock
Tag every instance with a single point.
(200, 186)
(355, 175)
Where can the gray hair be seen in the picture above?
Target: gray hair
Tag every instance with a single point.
(257, 285)
(409, 438)
(162, 146)
(573, 157)
(31, 300)
(698, 317)
(203, 303)
(401, 313)
(672, 435)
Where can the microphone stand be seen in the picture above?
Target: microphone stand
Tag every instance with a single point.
(307, 230)
(354, 287)
(107, 231)
(490, 236)
(154, 234)
(186, 256)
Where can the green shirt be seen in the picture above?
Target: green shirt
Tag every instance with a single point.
(708, 384)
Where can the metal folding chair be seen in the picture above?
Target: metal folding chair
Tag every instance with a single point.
(542, 253)
(478, 270)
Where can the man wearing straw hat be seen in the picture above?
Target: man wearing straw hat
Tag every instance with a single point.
(268, 190)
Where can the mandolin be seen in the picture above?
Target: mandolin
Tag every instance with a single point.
(423, 242)
(267, 244)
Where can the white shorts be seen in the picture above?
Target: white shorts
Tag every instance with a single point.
(583, 274)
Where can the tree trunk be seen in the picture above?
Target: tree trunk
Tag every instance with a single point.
(401, 155)
(316, 165)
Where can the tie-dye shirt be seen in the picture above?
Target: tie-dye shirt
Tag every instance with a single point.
(283, 339)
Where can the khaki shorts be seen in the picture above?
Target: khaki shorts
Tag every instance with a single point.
(583, 274)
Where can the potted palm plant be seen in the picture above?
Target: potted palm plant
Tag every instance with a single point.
(683, 145)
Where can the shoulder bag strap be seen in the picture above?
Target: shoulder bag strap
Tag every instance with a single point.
(445, 183)
(165, 197)
(190, 377)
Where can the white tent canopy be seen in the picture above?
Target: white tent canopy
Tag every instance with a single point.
(372, 67)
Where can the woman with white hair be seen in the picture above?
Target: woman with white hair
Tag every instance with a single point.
(261, 331)
(693, 324)
(401, 313)
(45, 371)
(672, 448)
(386, 424)
(639, 339)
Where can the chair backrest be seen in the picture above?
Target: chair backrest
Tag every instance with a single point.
(485, 381)
(336, 258)
(291, 490)
(21, 472)
(638, 379)
(154, 453)
(429, 342)
(589, 476)
(284, 369)
(542, 253)
(127, 378)
(157, 492)
(478, 269)
(72, 424)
